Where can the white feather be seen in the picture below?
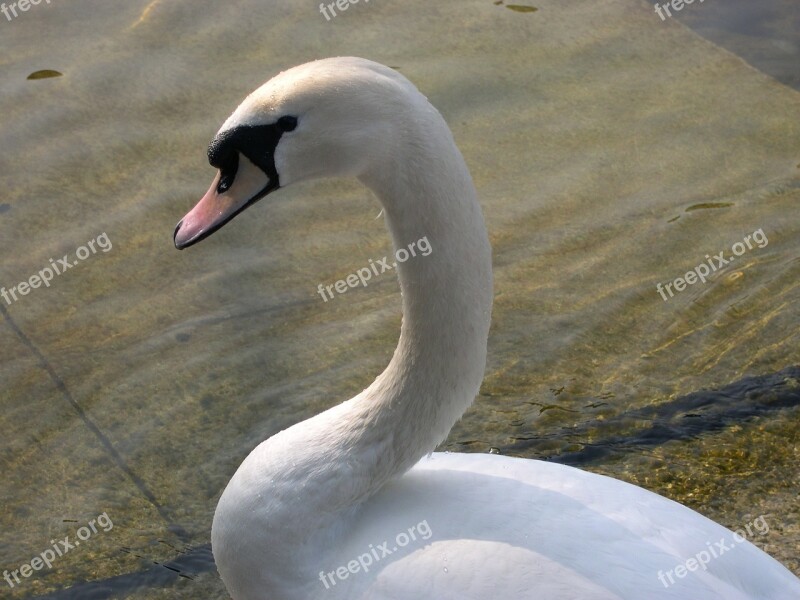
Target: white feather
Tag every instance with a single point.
(311, 501)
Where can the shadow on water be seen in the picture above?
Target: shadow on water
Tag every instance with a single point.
(686, 417)
(192, 562)
(763, 33)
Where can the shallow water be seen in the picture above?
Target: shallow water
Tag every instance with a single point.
(607, 163)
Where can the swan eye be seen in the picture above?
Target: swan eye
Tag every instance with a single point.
(228, 169)
(287, 123)
(225, 183)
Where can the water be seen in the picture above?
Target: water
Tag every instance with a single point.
(612, 152)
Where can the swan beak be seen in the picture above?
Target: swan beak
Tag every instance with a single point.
(217, 208)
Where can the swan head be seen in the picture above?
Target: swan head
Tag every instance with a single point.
(328, 118)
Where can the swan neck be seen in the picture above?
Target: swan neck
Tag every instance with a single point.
(438, 366)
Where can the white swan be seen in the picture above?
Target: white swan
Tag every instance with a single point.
(344, 505)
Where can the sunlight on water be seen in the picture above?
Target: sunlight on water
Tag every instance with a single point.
(138, 378)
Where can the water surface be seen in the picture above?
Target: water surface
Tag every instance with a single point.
(607, 162)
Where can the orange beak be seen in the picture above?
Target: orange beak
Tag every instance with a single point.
(218, 207)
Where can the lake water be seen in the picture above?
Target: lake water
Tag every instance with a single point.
(612, 150)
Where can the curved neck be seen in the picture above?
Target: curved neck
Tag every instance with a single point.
(299, 488)
(435, 373)
(438, 366)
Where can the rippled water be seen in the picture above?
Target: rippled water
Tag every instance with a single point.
(612, 152)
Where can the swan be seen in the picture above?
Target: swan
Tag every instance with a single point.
(353, 503)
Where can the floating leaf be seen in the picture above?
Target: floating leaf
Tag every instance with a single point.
(44, 74)
(522, 7)
(705, 205)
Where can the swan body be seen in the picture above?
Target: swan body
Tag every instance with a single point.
(353, 503)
